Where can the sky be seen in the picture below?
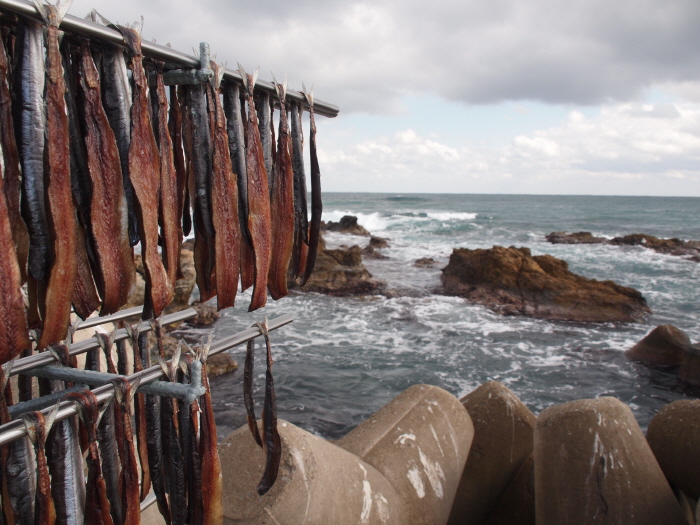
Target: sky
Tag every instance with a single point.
(595, 97)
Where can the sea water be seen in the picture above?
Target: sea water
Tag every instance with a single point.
(345, 357)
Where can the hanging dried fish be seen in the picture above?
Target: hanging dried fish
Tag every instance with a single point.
(108, 206)
(212, 480)
(37, 429)
(316, 203)
(11, 173)
(169, 216)
(271, 438)
(13, 324)
(224, 202)
(262, 107)
(190, 450)
(200, 176)
(144, 169)
(140, 413)
(8, 513)
(248, 391)
(123, 392)
(184, 98)
(175, 128)
(259, 220)
(62, 227)
(30, 126)
(66, 461)
(282, 205)
(97, 507)
(301, 218)
(22, 479)
(85, 297)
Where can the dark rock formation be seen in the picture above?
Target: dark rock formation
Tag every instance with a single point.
(206, 314)
(664, 345)
(674, 437)
(503, 431)
(574, 238)
(690, 365)
(375, 243)
(513, 282)
(221, 364)
(668, 246)
(340, 272)
(593, 465)
(425, 262)
(347, 224)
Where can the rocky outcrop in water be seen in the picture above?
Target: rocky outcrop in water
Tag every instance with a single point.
(347, 224)
(513, 282)
(340, 272)
(375, 243)
(667, 246)
(663, 346)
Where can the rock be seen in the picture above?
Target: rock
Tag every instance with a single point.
(419, 441)
(318, 484)
(378, 242)
(503, 430)
(668, 246)
(206, 314)
(574, 238)
(370, 253)
(184, 286)
(690, 365)
(517, 504)
(674, 437)
(513, 282)
(425, 262)
(664, 345)
(220, 364)
(340, 272)
(138, 293)
(375, 243)
(593, 465)
(347, 224)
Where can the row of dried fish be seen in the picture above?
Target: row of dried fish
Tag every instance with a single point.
(172, 449)
(96, 160)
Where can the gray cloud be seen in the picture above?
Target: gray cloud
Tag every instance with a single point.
(365, 56)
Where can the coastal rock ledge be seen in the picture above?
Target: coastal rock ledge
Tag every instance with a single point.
(513, 282)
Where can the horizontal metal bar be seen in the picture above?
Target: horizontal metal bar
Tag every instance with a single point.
(117, 316)
(47, 358)
(16, 429)
(156, 51)
(148, 501)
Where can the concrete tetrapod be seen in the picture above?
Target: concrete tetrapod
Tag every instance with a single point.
(593, 465)
(419, 441)
(674, 437)
(503, 429)
(318, 484)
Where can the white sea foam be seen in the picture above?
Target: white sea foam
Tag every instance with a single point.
(451, 216)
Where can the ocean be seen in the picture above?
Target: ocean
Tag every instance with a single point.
(345, 357)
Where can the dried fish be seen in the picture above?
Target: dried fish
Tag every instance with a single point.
(108, 206)
(97, 506)
(188, 437)
(316, 203)
(22, 479)
(169, 216)
(259, 219)
(144, 169)
(212, 480)
(8, 513)
(300, 211)
(30, 125)
(224, 202)
(37, 429)
(183, 97)
(262, 107)
(282, 206)
(13, 324)
(271, 438)
(12, 174)
(175, 128)
(125, 438)
(248, 391)
(62, 223)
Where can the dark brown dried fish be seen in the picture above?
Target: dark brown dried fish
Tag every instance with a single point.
(37, 429)
(224, 202)
(248, 391)
(282, 206)
(175, 128)
(144, 169)
(108, 208)
(259, 219)
(271, 438)
(61, 284)
(316, 203)
(212, 480)
(127, 454)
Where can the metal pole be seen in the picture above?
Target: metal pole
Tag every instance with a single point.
(90, 29)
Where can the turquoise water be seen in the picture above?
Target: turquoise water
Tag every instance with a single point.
(343, 358)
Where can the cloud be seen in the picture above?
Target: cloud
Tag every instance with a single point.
(365, 56)
(625, 149)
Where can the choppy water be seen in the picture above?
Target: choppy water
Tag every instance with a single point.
(343, 358)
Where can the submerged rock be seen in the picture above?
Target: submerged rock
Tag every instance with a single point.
(375, 243)
(220, 364)
(574, 238)
(664, 345)
(425, 262)
(672, 246)
(513, 282)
